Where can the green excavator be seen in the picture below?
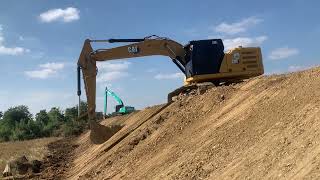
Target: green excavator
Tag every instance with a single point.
(120, 108)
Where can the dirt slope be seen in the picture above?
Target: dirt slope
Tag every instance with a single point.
(33, 149)
(265, 128)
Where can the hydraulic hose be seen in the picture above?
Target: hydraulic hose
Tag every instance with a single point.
(79, 87)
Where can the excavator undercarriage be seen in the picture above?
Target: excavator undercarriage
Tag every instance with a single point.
(201, 61)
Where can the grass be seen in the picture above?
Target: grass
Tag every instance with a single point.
(32, 149)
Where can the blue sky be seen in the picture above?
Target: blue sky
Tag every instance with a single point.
(40, 42)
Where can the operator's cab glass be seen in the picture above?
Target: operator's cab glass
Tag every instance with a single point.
(204, 57)
(118, 107)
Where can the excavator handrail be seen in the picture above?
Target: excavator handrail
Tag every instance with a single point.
(114, 40)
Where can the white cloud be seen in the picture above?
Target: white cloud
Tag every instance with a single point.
(10, 50)
(243, 41)
(65, 15)
(111, 76)
(107, 66)
(46, 70)
(1, 36)
(151, 70)
(282, 53)
(13, 51)
(108, 71)
(169, 76)
(237, 27)
(53, 66)
(294, 68)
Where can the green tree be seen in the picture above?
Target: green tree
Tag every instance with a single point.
(71, 113)
(17, 122)
(56, 119)
(5, 131)
(55, 114)
(42, 117)
(75, 125)
(11, 118)
(83, 107)
(1, 114)
(16, 114)
(26, 130)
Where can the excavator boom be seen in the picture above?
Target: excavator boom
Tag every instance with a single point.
(112, 94)
(141, 47)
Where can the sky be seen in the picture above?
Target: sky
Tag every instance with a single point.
(40, 42)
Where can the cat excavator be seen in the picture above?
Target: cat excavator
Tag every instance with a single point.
(200, 61)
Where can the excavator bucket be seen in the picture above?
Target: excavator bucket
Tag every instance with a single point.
(100, 134)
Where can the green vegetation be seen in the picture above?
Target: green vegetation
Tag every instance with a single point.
(17, 123)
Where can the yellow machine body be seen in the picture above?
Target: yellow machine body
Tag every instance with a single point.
(238, 63)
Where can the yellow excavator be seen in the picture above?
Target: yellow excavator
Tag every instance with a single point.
(200, 61)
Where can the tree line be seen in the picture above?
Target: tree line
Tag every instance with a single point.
(17, 123)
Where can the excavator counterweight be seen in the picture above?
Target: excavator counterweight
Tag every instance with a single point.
(200, 61)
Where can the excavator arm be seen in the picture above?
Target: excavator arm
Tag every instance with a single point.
(112, 94)
(138, 48)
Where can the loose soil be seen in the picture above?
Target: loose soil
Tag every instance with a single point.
(267, 127)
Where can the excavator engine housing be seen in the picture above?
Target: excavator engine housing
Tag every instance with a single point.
(207, 62)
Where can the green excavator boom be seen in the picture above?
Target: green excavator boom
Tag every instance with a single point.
(120, 108)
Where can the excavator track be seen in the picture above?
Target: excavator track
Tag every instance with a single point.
(199, 88)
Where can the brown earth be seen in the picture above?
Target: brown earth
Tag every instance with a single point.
(58, 159)
(265, 128)
(33, 149)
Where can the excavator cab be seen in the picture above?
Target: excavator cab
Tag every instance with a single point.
(125, 109)
(118, 107)
(203, 57)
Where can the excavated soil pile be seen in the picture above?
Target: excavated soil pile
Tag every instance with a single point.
(58, 160)
(265, 128)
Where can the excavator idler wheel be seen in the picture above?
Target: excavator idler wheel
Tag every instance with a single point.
(183, 89)
(100, 134)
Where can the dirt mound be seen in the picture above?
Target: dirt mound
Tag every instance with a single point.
(265, 128)
(100, 133)
(59, 159)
